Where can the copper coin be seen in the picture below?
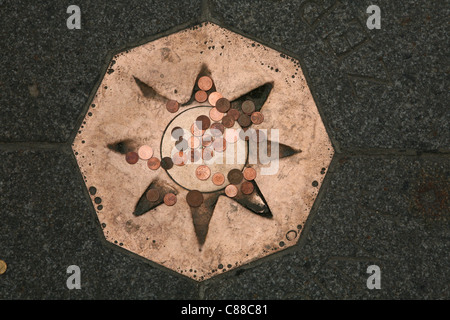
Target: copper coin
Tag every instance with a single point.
(179, 158)
(215, 115)
(152, 195)
(219, 144)
(231, 191)
(244, 120)
(218, 179)
(208, 153)
(170, 199)
(202, 122)
(177, 133)
(234, 113)
(194, 155)
(248, 107)
(196, 131)
(194, 142)
(223, 105)
(207, 140)
(202, 172)
(231, 135)
(213, 97)
(205, 83)
(166, 163)
(247, 187)
(249, 174)
(235, 176)
(3, 267)
(257, 117)
(201, 96)
(194, 198)
(153, 163)
(145, 152)
(217, 129)
(172, 106)
(182, 144)
(228, 121)
(131, 157)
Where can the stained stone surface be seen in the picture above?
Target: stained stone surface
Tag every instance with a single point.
(378, 205)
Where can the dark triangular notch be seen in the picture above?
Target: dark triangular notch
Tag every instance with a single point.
(201, 216)
(254, 202)
(258, 96)
(144, 205)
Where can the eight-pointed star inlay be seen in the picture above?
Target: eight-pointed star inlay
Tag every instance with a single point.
(201, 215)
(127, 110)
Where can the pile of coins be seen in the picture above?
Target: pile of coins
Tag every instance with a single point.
(209, 134)
(243, 179)
(145, 152)
(222, 110)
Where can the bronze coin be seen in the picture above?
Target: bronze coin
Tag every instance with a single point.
(219, 144)
(231, 191)
(194, 155)
(201, 96)
(249, 174)
(152, 195)
(194, 198)
(207, 140)
(205, 83)
(153, 163)
(196, 131)
(177, 133)
(223, 105)
(202, 122)
(217, 129)
(194, 142)
(202, 172)
(172, 106)
(257, 117)
(247, 187)
(145, 152)
(3, 267)
(166, 163)
(215, 115)
(234, 113)
(132, 157)
(248, 107)
(218, 179)
(179, 158)
(244, 120)
(170, 199)
(213, 97)
(235, 176)
(208, 153)
(228, 121)
(182, 144)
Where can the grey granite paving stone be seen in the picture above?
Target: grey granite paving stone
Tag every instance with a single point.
(49, 71)
(47, 224)
(388, 92)
(389, 211)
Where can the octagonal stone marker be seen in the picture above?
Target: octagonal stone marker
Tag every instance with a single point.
(129, 111)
